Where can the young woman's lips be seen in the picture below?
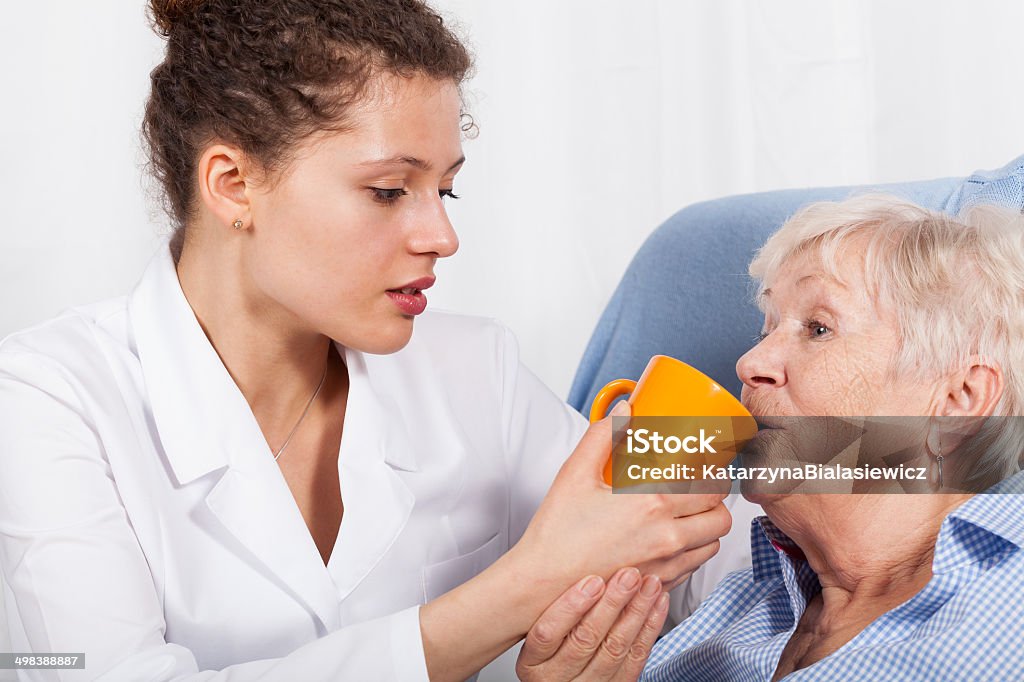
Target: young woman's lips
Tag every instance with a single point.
(410, 304)
(410, 298)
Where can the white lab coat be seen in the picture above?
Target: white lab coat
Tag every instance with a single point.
(144, 522)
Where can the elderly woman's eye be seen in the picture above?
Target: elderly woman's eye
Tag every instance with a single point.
(817, 329)
(758, 338)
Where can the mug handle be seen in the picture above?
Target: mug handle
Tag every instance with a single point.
(602, 401)
(611, 391)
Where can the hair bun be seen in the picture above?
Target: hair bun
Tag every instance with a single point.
(167, 13)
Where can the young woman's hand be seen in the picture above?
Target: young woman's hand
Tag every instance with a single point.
(581, 528)
(596, 632)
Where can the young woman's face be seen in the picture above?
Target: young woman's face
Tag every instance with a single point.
(360, 215)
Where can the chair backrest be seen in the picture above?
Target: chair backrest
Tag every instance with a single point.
(687, 293)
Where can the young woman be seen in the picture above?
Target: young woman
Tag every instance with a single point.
(253, 464)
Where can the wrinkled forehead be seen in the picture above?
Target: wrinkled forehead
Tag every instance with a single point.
(813, 272)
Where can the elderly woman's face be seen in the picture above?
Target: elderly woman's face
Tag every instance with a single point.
(826, 347)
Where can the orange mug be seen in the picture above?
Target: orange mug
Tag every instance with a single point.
(672, 388)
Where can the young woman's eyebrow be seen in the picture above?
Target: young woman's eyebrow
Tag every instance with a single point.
(410, 161)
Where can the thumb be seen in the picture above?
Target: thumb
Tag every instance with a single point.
(595, 447)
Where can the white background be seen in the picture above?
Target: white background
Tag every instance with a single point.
(597, 119)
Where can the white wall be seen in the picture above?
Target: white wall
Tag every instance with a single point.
(5, 646)
(598, 120)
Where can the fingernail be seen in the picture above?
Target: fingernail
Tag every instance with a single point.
(591, 586)
(621, 409)
(662, 604)
(629, 578)
(651, 586)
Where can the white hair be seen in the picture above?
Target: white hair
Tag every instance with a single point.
(956, 285)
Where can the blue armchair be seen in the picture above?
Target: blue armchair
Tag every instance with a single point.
(687, 293)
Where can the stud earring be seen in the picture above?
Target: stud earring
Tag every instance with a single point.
(237, 224)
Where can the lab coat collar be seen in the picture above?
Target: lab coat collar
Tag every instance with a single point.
(189, 406)
(378, 503)
(377, 410)
(205, 424)
(189, 389)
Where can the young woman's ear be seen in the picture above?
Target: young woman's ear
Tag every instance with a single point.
(223, 184)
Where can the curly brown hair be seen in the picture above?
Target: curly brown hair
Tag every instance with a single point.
(263, 75)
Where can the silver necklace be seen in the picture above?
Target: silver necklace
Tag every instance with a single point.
(288, 439)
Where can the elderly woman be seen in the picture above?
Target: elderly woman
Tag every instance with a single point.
(878, 307)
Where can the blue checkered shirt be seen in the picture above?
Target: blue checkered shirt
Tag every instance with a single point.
(966, 624)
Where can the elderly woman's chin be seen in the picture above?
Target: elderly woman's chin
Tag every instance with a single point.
(769, 451)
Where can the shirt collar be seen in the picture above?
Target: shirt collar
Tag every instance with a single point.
(777, 560)
(997, 510)
(768, 546)
(203, 419)
(989, 522)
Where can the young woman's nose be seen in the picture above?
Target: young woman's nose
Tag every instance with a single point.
(433, 232)
(763, 365)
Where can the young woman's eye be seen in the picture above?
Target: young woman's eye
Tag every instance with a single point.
(817, 329)
(387, 196)
(447, 194)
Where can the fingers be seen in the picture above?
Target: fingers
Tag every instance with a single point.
(621, 642)
(591, 635)
(702, 528)
(609, 639)
(673, 536)
(679, 568)
(688, 504)
(595, 447)
(547, 634)
(644, 642)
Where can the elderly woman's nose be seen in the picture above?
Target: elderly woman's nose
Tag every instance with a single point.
(762, 365)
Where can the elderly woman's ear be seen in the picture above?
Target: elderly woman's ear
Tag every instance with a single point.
(965, 400)
(973, 391)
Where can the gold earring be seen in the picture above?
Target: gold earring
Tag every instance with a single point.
(237, 224)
